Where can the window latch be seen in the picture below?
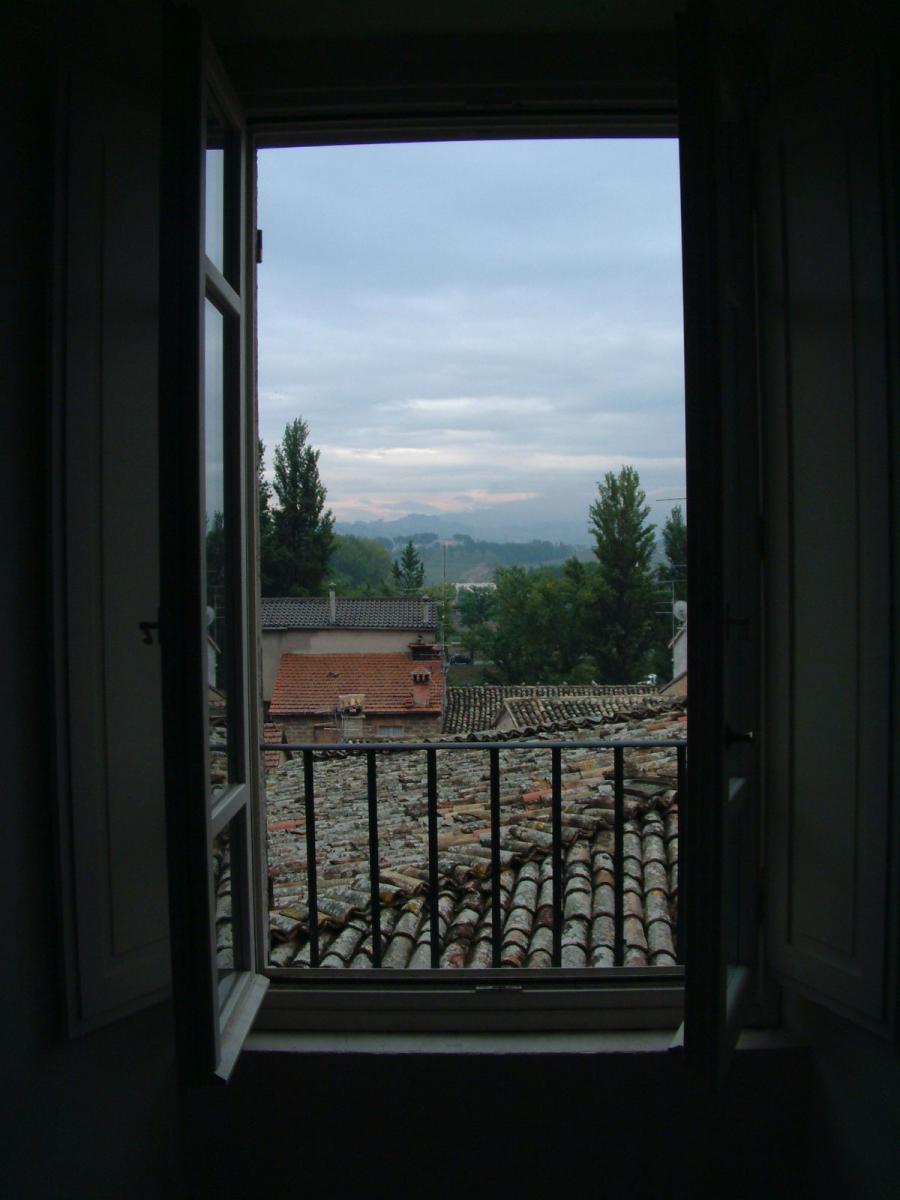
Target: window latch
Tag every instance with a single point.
(735, 736)
(146, 628)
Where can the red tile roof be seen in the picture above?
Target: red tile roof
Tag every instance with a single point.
(311, 683)
(274, 735)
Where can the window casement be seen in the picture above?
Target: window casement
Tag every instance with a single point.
(207, 618)
(823, 156)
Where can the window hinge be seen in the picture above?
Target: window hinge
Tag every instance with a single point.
(259, 246)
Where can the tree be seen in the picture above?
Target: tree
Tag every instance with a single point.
(302, 528)
(623, 610)
(267, 553)
(674, 570)
(359, 565)
(671, 578)
(476, 606)
(409, 571)
(537, 633)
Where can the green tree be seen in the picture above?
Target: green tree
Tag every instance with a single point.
(267, 555)
(444, 596)
(674, 569)
(302, 528)
(671, 578)
(537, 633)
(409, 572)
(476, 606)
(359, 565)
(623, 609)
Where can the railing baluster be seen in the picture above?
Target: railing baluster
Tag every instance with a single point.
(311, 880)
(496, 912)
(374, 879)
(679, 867)
(431, 764)
(619, 854)
(556, 861)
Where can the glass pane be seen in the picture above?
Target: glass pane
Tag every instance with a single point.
(217, 605)
(214, 243)
(226, 862)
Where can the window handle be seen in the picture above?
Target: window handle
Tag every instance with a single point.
(735, 736)
(146, 628)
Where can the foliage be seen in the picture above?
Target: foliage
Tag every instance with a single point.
(671, 578)
(267, 554)
(624, 607)
(471, 560)
(674, 569)
(408, 572)
(295, 561)
(444, 596)
(475, 605)
(538, 634)
(359, 566)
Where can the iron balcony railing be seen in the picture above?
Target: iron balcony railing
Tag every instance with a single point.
(372, 750)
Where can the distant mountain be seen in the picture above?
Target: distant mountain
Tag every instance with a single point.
(412, 523)
(490, 524)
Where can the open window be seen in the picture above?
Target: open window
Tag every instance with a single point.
(208, 473)
(207, 541)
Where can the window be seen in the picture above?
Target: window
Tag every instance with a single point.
(469, 326)
(186, 633)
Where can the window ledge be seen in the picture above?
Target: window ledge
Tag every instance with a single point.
(606, 1042)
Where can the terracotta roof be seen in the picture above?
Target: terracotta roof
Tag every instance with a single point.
(471, 709)
(371, 612)
(274, 735)
(312, 683)
(650, 856)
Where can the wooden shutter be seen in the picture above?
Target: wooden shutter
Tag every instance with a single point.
(829, 460)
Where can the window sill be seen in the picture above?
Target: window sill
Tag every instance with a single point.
(608, 1042)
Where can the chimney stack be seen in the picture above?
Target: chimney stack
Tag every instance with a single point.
(421, 692)
(332, 607)
(425, 603)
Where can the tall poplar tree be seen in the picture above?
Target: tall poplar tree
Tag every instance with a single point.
(623, 611)
(302, 527)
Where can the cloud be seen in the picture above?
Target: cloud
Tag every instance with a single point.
(467, 322)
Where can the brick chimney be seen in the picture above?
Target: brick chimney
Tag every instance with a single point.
(421, 692)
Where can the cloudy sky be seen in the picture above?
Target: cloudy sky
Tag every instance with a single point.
(479, 329)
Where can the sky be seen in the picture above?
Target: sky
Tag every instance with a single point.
(475, 329)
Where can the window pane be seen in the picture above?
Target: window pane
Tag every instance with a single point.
(226, 860)
(215, 191)
(217, 604)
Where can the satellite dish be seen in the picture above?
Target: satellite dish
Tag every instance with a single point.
(679, 611)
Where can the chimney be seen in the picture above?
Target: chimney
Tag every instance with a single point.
(332, 607)
(421, 692)
(425, 603)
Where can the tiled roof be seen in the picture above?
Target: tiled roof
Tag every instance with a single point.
(650, 856)
(471, 709)
(311, 683)
(381, 612)
(274, 735)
